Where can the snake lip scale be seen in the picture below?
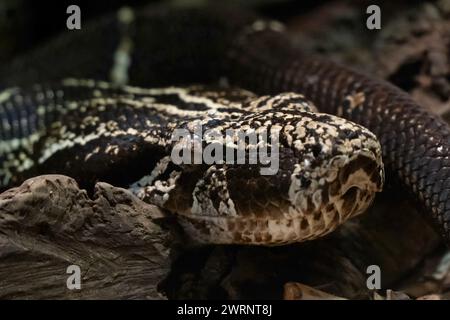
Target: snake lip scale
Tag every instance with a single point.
(92, 129)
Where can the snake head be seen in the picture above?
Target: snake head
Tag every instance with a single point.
(329, 171)
(338, 173)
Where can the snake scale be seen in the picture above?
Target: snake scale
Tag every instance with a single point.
(92, 129)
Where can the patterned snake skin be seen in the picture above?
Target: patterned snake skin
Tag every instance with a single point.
(327, 169)
(159, 46)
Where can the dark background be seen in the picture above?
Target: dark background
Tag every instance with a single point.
(25, 23)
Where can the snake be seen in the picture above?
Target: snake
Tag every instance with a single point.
(102, 103)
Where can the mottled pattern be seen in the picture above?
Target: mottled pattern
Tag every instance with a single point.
(329, 168)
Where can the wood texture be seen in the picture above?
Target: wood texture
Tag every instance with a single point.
(48, 223)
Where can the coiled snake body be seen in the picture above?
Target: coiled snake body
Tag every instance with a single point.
(330, 168)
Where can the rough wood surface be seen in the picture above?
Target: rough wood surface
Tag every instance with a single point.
(48, 223)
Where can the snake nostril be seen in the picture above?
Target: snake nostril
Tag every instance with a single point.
(351, 192)
(349, 198)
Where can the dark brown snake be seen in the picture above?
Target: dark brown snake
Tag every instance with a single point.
(160, 46)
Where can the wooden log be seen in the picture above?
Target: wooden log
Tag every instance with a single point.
(48, 224)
